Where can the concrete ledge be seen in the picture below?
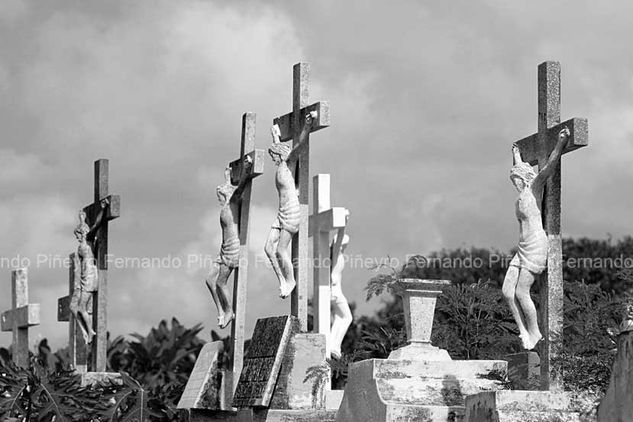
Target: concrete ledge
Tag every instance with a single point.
(517, 405)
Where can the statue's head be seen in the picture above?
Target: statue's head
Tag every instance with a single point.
(279, 152)
(522, 175)
(224, 192)
(82, 228)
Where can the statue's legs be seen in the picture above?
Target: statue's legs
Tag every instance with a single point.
(271, 252)
(284, 257)
(526, 279)
(509, 291)
(342, 321)
(78, 307)
(217, 284)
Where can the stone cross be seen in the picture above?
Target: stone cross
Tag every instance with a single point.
(240, 284)
(290, 126)
(535, 149)
(76, 344)
(22, 316)
(323, 220)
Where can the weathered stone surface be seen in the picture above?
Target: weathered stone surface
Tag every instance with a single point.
(617, 404)
(92, 378)
(264, 415)
(304, 374)
(263, 360)
(203, 387)
(524, 370)
(401, 390)
(523, 406)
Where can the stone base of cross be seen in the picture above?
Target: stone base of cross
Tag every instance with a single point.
(22, 316)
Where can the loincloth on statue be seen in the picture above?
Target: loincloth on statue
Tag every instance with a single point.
(288, 217)
(229, 253)
(532, 253)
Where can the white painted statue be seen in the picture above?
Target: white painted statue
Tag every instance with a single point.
(342, 315)
(286, 224)
(531, 258)
(228, 259)
(87, 272)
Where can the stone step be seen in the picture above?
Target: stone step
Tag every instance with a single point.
(458, 369)
(432, 391)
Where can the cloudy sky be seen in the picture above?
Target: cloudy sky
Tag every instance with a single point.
(426, 99)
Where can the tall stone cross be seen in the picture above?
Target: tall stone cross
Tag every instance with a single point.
(22, 316)
(323, 220)
(535, 149)
(240, 283)
(76, 344)
(290, 126)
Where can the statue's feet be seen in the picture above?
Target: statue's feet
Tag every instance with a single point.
(286, 288)
(531, 340)
(225, 319)
(335, 354)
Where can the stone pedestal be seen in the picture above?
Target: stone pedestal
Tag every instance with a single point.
(520, 406)
(401, 390)
(418, 302)
(419, 381)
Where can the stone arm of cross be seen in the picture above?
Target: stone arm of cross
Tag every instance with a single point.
(549, 167)
(244, 178)
(99, 219)
(303, 137)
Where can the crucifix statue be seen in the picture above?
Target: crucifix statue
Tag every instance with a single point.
(89, 276)
(291, 127)
(541, 200)
(235, 198)
(328, 266)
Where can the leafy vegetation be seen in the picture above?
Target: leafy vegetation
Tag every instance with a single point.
(471, 321)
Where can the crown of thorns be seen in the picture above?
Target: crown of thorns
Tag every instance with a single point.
(523, 171)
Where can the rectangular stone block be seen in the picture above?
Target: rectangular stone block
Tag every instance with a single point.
(304, 374)
(203, 387)
(263, 360)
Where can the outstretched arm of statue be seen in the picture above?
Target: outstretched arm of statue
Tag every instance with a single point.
(303, 137)
(549, 167)
(244, 178)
